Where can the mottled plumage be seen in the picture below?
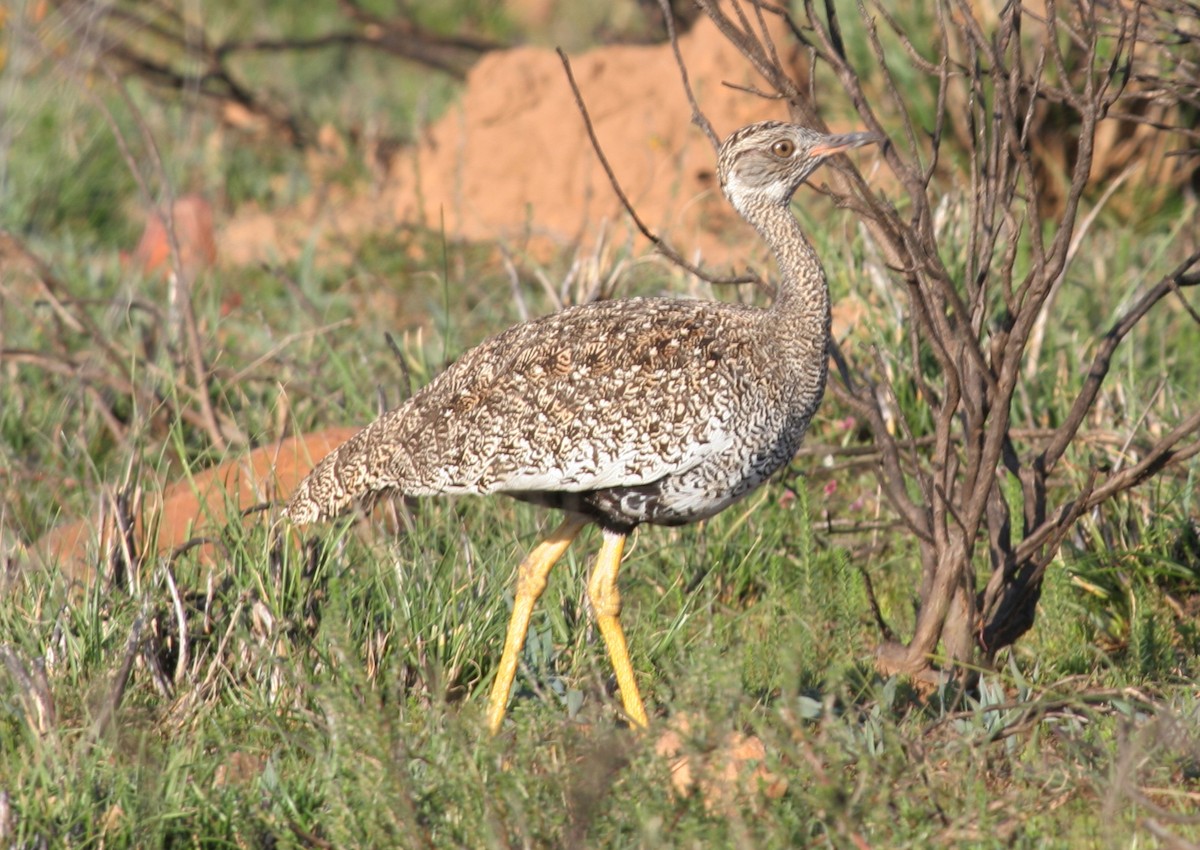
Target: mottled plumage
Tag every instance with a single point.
(646, 410)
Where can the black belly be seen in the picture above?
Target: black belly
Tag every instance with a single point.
(617, 509)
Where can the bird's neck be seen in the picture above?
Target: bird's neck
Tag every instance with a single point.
(800, 311)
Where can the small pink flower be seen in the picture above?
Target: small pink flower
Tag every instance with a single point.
(830, 487)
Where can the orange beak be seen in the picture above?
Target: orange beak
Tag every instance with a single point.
(829, 145)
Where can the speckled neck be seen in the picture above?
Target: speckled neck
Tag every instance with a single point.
(800, 314)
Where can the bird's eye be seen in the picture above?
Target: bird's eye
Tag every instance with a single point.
(783, 148)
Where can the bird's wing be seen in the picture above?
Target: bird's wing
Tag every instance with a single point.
(613, 394)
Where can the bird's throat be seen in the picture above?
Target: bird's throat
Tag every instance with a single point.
(800, 313)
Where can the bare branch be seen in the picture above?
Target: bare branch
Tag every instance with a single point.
(967, 340)
(698, 116)
(661, 245)
(116, 692)
(1102, 360)
(180, 308)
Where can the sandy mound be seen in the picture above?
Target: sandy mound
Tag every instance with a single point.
(197, 507)
(512, 160)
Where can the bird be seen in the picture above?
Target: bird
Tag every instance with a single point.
(649, 410)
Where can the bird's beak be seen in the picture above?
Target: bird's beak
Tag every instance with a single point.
(829, 145)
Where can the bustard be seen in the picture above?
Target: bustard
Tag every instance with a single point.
(644, 410)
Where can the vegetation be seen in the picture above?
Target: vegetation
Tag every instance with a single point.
(329, 692)
(975, 286)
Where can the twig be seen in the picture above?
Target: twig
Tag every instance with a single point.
(181, 309)
(124, 555)
(698, 116)
(245, 373)
(35, 690)
(407, 388)
(1037, 335)
(1169, 839)
(884, 629)
(660, 245)
(89, 376)
(116, 692)
(181, 661)
(1103, 357)
(1188, 308)
(1033, 708)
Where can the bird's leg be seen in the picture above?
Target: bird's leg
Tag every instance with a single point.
(531, 581)
(606, 604)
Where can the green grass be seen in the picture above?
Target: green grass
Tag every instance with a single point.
(334, 695)
(344, 705)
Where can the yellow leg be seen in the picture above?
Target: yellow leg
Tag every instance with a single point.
(606, 603)
(531, 581)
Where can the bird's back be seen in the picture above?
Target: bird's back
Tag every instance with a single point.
(640, 410)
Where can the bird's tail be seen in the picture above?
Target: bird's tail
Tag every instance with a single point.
(340, 481)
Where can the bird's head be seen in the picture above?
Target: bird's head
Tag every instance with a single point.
(767, 162)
